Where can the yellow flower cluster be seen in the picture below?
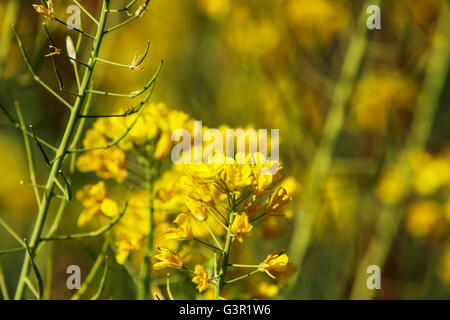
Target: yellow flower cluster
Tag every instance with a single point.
(215, 200)
(429, 180)
(95, 203)
(108, 163)
(146, 133)
(430, 173)
(150, 132)
(224, 196)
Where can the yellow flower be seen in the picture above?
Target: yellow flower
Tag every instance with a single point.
(430, 173)
(425, 218)
(392, 187)
(265, 290)
(277, 201)
(107, 163)
(126, 241)
(193, 188)
(236, 175)
(93, 198)
(215, 9)
(47, 13)
(201, 278)
(167, 259)
(316, 22)
(197, 209)
(163, 146)
(277, 261)
(183, 232)
(264, 172)
(151, 132)
(241, 226)
(291, 185)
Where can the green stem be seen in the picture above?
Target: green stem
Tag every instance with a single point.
(65, 142)
(91, 276)
(390, 218)
(323, 155)
(29, 154)
(226, 253)
(243, 277)
(144, 284)
(3, 287)
(9, 17)
(210, 246)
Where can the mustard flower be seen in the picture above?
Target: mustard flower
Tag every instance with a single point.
(167, 259)
(201, 278)
(183, 232)
(392, 187)
(107, 163)
(43, 11)
(197, 209)
(241, 226)
(95, 202)
(126, 241)
(276, 261)
(425, 218)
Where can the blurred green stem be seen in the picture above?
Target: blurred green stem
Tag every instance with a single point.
(3, 287)
(91, 276)
(391, 215)
(9, 17)
(29, 154)
(144, 284)
(62, 149)
(226, 252)
(322, 159)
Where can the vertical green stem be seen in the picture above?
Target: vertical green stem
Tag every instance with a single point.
(29, 154)
(226, 253)
(9, 17)
(144, 284)
(93, 273)
(3, 287)
(65, 142)
(391, 216)
(323, 156)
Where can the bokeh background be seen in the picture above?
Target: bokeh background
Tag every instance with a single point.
(346, 132)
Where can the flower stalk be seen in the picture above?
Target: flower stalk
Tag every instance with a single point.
(145, 283)
(63, 147)
(223, 264)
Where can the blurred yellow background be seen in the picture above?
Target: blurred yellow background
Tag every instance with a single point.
(347, 133)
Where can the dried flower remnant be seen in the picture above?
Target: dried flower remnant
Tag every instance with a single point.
(48, 13)
(56, 51)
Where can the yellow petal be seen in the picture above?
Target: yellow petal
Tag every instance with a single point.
(109, 208)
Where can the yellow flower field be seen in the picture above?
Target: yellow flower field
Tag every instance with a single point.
(224, 149)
